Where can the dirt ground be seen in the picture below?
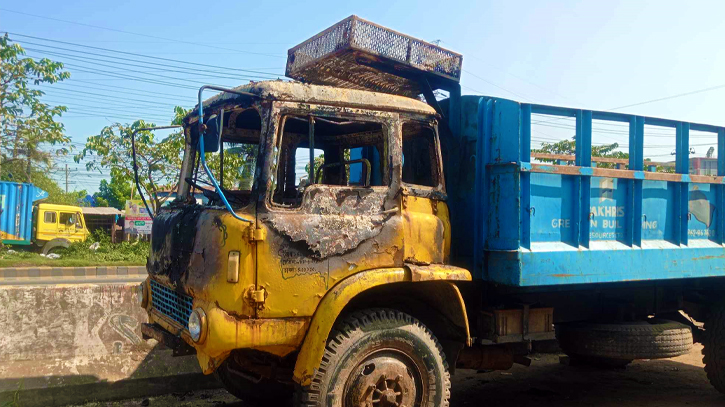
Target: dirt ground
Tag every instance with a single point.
(546, 383)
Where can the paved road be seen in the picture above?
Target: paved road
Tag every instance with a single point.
(547, 383)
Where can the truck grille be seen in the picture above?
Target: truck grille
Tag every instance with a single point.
(170, 303)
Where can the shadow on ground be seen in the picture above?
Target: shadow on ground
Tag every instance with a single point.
(546, 383)
(157, 373)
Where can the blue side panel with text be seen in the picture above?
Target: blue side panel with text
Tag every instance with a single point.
(542, 221)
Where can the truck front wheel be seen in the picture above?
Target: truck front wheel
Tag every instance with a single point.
(380, 358)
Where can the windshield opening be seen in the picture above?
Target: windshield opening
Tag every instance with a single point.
(234, 165)
(327, 151)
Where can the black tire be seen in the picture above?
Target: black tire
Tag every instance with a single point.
(714, 348)
(55, 244)
(620, 343)
(256, 393)
(379, 354)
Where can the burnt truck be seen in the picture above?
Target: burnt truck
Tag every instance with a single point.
(390, 230)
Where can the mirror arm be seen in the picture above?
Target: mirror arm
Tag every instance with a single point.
(135, 165)
(311, 175)
(221, 148)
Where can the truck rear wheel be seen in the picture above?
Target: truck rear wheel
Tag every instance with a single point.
(379, 358)
(617, 344)
(714, 348)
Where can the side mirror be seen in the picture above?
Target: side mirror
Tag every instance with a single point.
(211, 135)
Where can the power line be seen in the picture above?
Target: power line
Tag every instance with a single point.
(108, 96)
(105, 104)
(137, 54)
(143, 35)
(187, 79)
(120, 116)
(671, 97)
(136, 78)
(493, 84)
(138, 92)
(670, 134)
(114, 108)
(192, 70)
(507, 72)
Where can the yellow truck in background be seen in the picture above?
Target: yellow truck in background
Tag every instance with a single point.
(25, 222)
(58, 226)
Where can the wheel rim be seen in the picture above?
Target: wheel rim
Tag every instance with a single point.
(386, 378)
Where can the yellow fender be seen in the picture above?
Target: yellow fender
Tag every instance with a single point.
(341, 294)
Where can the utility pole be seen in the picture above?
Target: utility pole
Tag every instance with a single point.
(66, 178)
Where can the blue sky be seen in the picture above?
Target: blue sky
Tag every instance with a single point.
(595, 55)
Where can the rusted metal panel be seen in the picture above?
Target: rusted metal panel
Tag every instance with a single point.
(516, 325)
(434, 272)
(626, 174)
(567, 157)
(313, 94)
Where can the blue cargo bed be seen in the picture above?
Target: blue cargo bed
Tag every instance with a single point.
(569, 221)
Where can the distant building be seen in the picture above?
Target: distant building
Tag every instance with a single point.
(698, 165)
(703, 166)
(170, 195)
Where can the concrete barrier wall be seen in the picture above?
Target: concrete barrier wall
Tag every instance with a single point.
(69, 343)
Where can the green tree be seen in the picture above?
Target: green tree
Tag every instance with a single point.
(29, 132)
(568, 147)
(114, 193)
(158, 160)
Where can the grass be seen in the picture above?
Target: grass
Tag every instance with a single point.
(79, 255)
(15, 402)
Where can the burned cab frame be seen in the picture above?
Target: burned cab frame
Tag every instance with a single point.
(343, 181)
(313, 194)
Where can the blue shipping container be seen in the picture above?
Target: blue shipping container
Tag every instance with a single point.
(16, 211)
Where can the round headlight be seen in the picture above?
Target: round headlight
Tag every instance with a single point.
(197, 325)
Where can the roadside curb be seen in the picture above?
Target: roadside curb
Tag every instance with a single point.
(70, 275)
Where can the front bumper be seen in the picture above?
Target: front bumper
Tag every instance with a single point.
(226, 332)
(176, 344)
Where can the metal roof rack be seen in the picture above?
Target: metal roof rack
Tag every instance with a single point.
(358, 54)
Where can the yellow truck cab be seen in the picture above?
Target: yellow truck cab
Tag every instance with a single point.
(58, 226)
(269, 281)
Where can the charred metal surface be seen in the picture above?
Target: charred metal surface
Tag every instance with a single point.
(334, 220)
(307, 94)
(188, 248)
(174, 233)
